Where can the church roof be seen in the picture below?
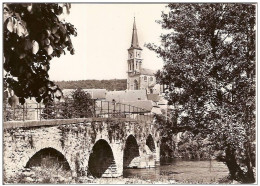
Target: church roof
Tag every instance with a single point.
(148, 72)
(134, 43)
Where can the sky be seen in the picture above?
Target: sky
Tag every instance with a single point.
(104, 35)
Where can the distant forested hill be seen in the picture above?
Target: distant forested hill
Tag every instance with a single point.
(113, 84)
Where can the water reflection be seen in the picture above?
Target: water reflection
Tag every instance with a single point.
(182, 171)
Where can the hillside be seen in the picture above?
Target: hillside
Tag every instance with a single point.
(113, 84)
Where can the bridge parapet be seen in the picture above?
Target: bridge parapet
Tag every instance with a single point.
(56, 122)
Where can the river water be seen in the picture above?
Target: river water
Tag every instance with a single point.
(182, 171)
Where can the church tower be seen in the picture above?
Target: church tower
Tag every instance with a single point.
(134, 62)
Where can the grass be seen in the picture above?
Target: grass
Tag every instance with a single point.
(44, 174)
(134, 180)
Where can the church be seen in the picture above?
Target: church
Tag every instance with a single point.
(139, 78)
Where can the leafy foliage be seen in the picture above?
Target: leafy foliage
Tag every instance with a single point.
(80, 106)
(83, 104)
(182, 141)
(33, 35)
(50, 110)
(209, 71)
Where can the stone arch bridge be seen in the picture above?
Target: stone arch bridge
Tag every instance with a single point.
(101, 147)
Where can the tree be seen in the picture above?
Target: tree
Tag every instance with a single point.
(79, 106)
(209, 71)
(83, 104)
(33, 35)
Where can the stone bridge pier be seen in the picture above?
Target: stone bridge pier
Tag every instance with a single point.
(99, 147)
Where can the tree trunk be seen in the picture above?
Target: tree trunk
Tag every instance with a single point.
(250, 174)
(234, 169)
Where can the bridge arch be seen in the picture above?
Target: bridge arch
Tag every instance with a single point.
(131, 151)
(150, 143)
(101, 161)
(50, 158)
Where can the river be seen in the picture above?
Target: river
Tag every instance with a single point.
(182, 171)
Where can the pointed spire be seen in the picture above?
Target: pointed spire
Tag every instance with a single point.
(134, 43)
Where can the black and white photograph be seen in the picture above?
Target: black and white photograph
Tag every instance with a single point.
(129, 93)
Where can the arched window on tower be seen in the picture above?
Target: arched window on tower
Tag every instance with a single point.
(135, 85)
(145, 78)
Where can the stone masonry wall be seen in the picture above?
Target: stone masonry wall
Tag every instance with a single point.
(75, 139)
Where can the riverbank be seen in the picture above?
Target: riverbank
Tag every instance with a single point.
(87, 180)
(224, 180)
(176, 172)
(122, 180)
(40, 176)
(58, 179)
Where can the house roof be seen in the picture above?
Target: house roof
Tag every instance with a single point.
(127, 95)
(144, 106)
(162, 101)
(94, 93)
(115, 95)
(156, 110)
(153, 97)
(147, 105)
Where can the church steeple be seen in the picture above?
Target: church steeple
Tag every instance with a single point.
(134, 62)
(134, 43)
